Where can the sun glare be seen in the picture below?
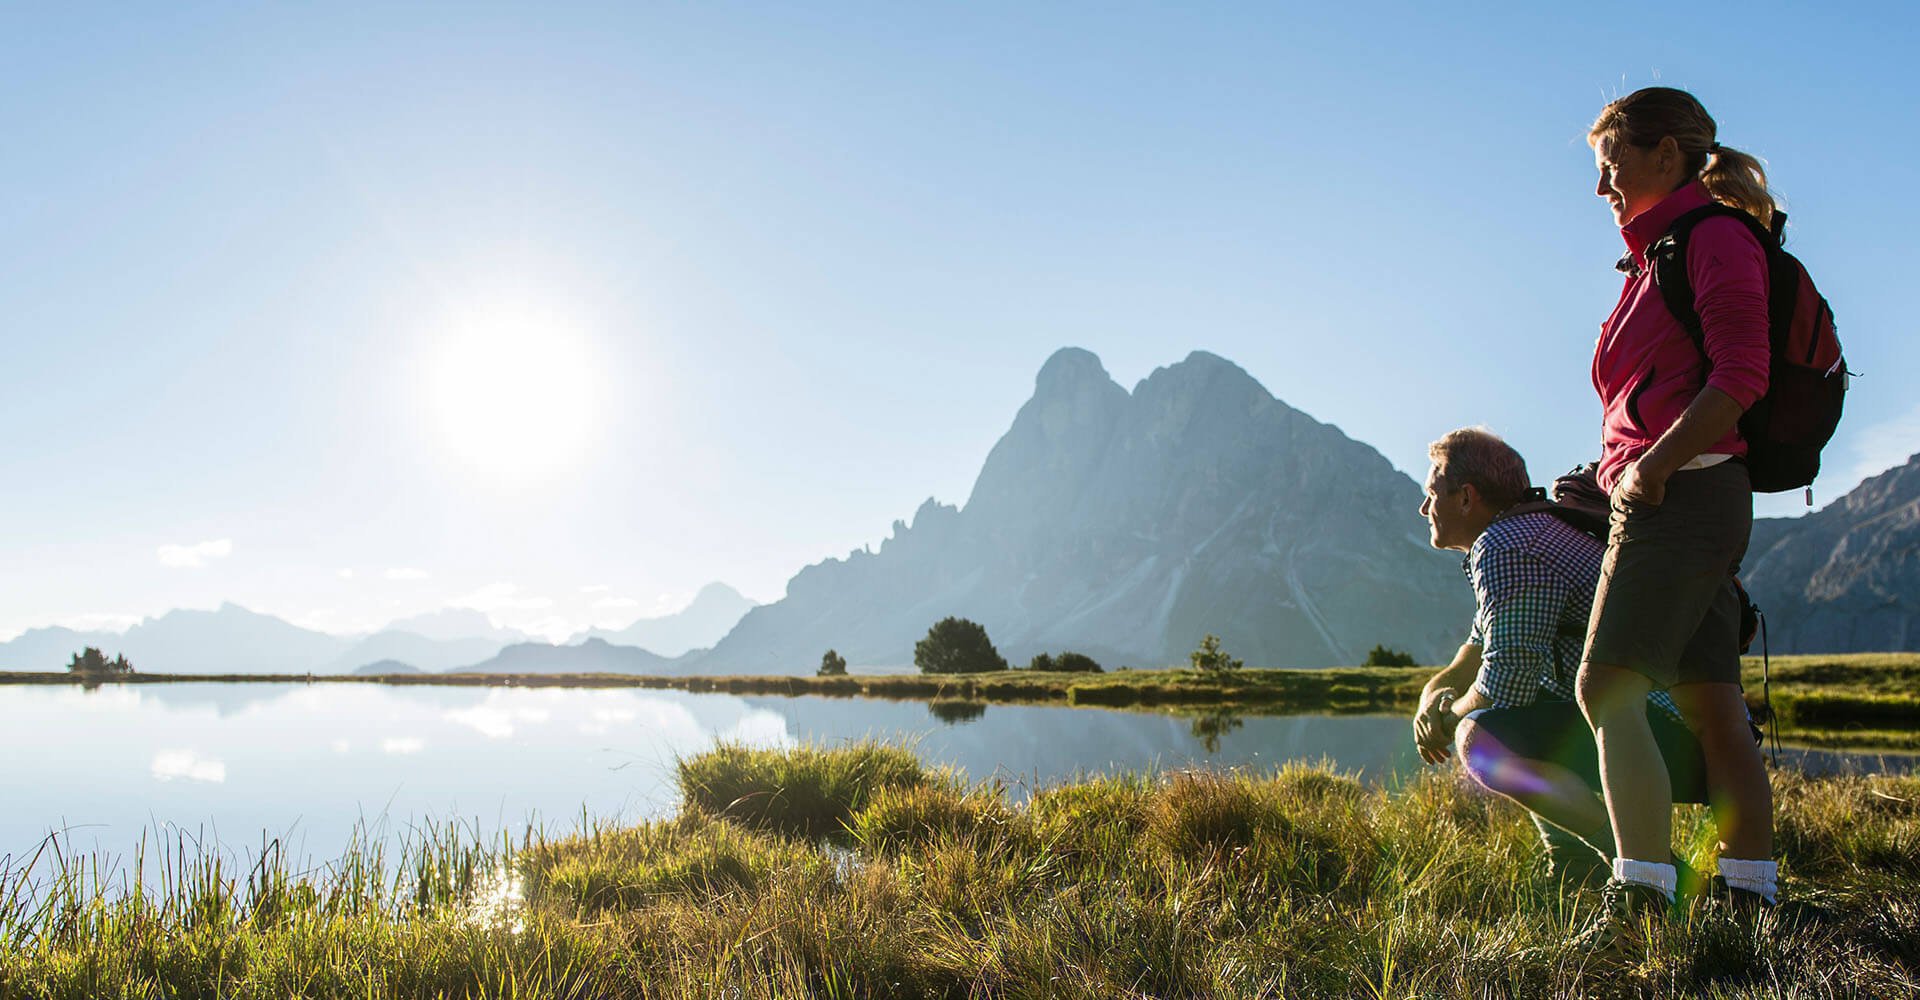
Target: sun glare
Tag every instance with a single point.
(513, 393)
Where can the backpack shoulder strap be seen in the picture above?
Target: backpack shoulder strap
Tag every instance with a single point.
(1581, 520)
(1667, 258)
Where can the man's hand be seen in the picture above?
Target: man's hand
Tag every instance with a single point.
(1433, 726)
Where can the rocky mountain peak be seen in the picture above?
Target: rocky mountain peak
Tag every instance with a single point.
(1128, 525)
(1069, 370)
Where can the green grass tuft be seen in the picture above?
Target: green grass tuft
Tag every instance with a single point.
(804, 792)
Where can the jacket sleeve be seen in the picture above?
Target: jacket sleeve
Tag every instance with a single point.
(1729, 274)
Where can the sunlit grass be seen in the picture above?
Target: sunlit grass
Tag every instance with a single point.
(854, 872)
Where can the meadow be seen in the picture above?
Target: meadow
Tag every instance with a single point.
(855, 871)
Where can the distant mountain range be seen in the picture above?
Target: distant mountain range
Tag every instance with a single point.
(234, 640)
(714, 611)
(1847, 577)
(594, 656)
(1125, 525)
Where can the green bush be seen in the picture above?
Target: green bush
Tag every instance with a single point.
(1066, 663)
(833, 665)
(1383, 656)
(957, 646)
(1076, 663)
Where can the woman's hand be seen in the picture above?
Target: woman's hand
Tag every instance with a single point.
(1641, 486)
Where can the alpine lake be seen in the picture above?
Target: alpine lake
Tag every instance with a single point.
(315, 769)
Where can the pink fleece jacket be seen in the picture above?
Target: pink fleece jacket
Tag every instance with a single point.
(1646, 367)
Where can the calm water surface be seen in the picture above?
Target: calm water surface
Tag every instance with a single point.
(241, 762)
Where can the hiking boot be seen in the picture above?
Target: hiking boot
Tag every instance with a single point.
(1569, 862)
(1625, 910)
(1748, 906)
(1576, 872)
(1739, 902)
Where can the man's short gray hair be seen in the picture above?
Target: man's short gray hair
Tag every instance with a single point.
(1477, 455)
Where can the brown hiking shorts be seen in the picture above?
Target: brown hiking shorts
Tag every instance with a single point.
(1665, 607)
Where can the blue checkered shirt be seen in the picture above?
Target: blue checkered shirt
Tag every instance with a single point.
(1533, 578)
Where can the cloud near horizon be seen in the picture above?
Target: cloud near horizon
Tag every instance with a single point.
(194, 556)
(1884, 446)
(500, 597)
(407, 573)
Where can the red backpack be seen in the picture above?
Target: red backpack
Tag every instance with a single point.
(1806, 377)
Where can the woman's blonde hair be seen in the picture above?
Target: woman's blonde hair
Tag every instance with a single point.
(1646, 116)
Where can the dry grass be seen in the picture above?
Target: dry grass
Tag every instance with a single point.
(854, 873)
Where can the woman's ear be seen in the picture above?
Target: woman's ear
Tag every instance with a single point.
(1667, 155)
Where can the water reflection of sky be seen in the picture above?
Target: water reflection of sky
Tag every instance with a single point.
(308, 763)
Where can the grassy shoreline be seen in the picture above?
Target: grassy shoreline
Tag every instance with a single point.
(1845, 701)
(854, 871)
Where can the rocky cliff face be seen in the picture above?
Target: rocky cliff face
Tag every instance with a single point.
(1845, 578)
(1129, 525)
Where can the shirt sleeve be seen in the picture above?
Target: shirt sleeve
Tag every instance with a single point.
(1728, 269)
(1519, 602)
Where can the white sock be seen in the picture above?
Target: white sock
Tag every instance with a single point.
(1762, 877)
(1661, 876)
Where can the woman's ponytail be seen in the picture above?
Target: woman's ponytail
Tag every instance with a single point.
(1739, 179)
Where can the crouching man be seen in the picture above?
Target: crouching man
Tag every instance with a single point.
(1517, 727)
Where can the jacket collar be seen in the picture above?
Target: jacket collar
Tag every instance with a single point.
(1641, 230)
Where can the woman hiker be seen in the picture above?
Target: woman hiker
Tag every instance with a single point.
(1665, 614)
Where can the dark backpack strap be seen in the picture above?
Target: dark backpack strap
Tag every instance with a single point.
(1579, 519)
(1667, 258)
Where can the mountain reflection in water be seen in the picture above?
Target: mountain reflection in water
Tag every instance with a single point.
(308, 763)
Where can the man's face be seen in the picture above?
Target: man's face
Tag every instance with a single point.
(1446, 507)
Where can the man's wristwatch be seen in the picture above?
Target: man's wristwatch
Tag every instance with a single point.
(1443, 720)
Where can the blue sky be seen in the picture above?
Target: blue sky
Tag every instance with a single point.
(760, 279)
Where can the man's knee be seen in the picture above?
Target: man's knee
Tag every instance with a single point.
(1480, 753)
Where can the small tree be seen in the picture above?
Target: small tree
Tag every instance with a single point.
(1042, 661)
(1210, 658)
(91, 662)
(1383, 656)
(833, 665)
(1077, 663)
(957, 646)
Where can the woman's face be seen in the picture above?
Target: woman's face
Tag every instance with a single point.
(1634, 178)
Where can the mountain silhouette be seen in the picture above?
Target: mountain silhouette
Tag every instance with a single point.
(1130, 525)
(1845, 578)
(715, 610)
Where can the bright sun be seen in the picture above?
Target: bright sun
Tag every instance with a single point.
(513, 393)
